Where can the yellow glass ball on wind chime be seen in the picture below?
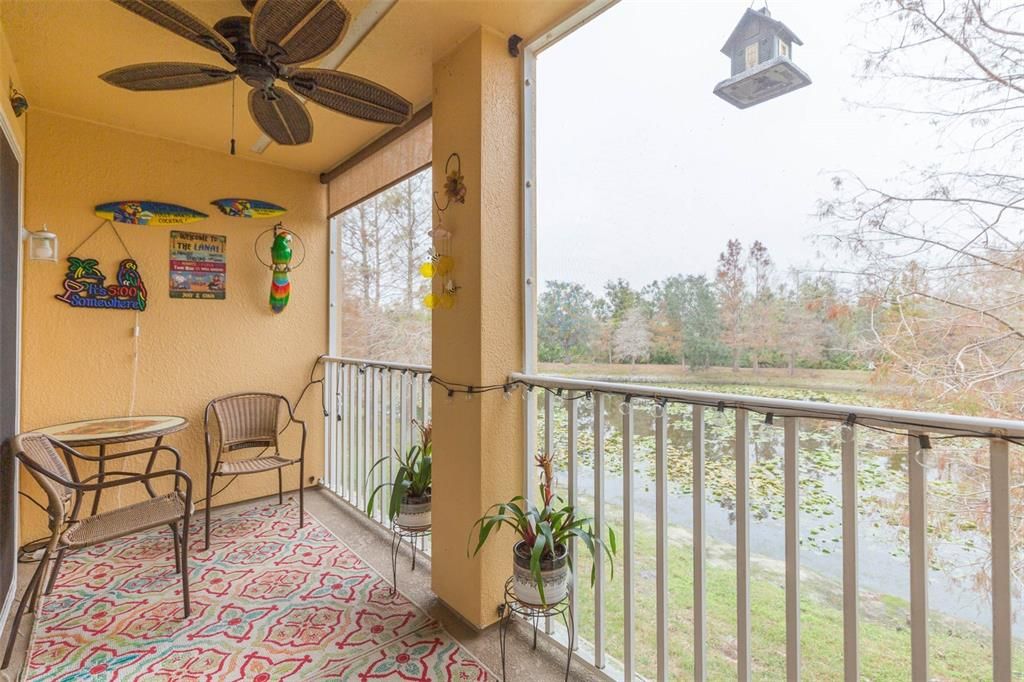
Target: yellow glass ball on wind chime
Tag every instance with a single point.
(441, 263)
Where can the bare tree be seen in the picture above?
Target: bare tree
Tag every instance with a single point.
(631, 340)
(940, 249)
(731, 285)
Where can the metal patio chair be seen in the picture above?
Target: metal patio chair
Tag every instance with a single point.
(60, 481)
(246, 421)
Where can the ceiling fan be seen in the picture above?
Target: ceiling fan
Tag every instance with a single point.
(268, 46)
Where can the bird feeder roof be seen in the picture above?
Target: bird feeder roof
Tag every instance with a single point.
(758, 15)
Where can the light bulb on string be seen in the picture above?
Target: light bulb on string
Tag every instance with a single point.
(924, 451)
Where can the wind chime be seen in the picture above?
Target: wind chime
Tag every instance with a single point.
(441, 264)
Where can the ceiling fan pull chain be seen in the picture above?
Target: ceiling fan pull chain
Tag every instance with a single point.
(233, 116)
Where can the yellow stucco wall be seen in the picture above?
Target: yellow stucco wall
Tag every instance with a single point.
(478, 444)
(77, 363)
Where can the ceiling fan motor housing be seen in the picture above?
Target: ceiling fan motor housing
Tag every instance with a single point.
(253, 68)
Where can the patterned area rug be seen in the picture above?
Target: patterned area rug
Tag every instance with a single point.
(270, 602)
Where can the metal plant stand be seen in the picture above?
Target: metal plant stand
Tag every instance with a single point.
(534, 613)
(398, 534)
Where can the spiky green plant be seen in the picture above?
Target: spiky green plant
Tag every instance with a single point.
(544, 529)
(413, 476)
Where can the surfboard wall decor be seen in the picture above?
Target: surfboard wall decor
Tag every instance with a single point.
(248, 208)
(148, 213)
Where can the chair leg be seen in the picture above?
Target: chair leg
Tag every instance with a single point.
(177, 548)
(184, 564)
(56, 569)
(280, 487)
(25, 599)
(302, 488)
(209, 489)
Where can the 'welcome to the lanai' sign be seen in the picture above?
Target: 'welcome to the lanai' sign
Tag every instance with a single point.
(85, 286)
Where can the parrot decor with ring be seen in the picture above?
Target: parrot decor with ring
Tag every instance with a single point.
(281, 255)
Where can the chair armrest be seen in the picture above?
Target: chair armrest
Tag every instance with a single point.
(178, 475)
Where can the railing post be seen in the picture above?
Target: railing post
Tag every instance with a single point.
(326, 389)
(699, 541)
(549, 434)
(918, 485)
(572, 426)
(743, 654)
(791, 474)
(851, 597)
(627, 540)
(661, 551)
(1002, 594)
(599, 525)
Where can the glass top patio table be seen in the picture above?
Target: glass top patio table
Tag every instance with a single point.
(113, 430)
(110, 430)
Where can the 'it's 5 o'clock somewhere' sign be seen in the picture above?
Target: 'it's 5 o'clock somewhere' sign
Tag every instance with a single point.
(85, 286)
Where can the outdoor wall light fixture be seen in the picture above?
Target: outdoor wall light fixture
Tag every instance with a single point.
(18, 101)
(42, 245)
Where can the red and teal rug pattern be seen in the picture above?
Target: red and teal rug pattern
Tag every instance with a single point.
(270, 601)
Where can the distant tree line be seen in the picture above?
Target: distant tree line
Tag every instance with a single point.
(747, 316)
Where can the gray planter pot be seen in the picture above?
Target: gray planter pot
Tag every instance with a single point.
(414, 512)
(554, 574)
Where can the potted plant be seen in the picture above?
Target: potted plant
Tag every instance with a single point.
(409, 505)
(541, 564)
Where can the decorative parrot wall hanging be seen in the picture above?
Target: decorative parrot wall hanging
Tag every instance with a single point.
(281, 255)
(281, 263)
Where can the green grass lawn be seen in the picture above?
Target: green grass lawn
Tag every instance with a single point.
(960, 650)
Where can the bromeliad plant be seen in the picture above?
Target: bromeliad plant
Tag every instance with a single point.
(544, 532)
(413, 477)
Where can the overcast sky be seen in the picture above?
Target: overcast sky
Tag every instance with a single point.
(644, 173)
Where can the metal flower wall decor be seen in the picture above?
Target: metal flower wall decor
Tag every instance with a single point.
(441, 264)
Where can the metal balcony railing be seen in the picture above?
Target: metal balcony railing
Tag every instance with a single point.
(370, 407)
(787, 415)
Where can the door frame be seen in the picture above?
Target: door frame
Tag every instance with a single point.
(19, 154)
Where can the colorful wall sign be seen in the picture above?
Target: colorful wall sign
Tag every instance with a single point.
(198, 265)
(248, 208)
(148, 213)
(85, 286)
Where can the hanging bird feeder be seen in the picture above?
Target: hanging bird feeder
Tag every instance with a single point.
(760, 49)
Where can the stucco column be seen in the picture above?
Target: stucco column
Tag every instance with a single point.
(478, 443)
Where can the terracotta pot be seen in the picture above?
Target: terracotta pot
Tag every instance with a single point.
(414, 512)
(554, 574)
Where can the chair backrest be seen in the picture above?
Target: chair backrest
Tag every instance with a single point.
(36, 451)
(247, 420)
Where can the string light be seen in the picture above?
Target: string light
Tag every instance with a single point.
(661, 404)
(924, 450)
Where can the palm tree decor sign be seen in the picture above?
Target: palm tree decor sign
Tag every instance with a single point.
(85, 286)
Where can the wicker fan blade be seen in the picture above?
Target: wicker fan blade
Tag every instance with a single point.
(351, 95)
(180, 21)
(283, 118)
(297, 31)
(166, 76)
